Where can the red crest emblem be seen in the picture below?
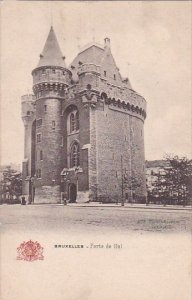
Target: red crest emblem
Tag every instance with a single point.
(30, 251)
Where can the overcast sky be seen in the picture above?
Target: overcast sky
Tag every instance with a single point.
(151, 44)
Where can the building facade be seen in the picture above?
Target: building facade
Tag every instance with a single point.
(84, 129)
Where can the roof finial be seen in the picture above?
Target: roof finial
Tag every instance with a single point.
(107, 42)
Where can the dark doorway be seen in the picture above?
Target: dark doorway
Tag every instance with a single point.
(72, 193)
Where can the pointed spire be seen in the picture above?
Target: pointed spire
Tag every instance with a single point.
(51, 55)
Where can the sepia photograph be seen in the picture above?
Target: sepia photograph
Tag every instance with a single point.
(96, 152)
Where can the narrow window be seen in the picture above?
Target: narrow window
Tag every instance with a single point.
(75, 155)
(38, 137)
(41, 155)
(45, 108)
(53, 125)
(105, 73)
(38, 173)
(114, 77)
(62, 141)
(53, 71)
(28, 113)
(72, 122)
(39, 122)
(77, 121)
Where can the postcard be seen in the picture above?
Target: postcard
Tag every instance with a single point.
(96, 168)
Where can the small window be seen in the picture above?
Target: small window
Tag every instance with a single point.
(43, 71)
(38, 173)
(77, 120)
(114, 77)
(53, 71)
(41, 155)
(105, 73)
(28, 113)
(45, 108)
(38, 137)
(72, 122)
(53, 125)
(62, 141)
(39, 122)
(75, 155)
(63, 72)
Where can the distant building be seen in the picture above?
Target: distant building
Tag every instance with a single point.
(154, 169)
(84, 128)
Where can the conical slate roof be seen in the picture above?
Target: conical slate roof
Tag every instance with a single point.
(51, 55)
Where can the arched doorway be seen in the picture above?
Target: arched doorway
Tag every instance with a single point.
(72, 193)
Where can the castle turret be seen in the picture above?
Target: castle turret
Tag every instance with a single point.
(50, 79)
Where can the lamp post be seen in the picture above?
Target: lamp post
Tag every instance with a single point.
(64, 178)
(33, 178)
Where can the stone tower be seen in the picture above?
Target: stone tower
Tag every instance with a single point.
(87, 137)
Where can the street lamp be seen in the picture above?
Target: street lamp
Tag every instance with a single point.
(32, 179)
(64, 179)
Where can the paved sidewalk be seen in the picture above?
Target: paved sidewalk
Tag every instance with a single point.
(134, 205)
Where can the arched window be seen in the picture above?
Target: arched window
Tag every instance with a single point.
(77, 120)
(72, 122)
(74, 155)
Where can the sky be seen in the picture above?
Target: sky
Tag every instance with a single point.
(151, 44)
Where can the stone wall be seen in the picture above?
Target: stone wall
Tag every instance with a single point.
(118, 153)
(50, 144)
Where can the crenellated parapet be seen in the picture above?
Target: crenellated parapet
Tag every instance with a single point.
(123, 93)
(48, 81)
(89, 68)
(126, 107)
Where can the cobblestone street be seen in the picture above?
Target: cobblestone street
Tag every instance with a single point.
(79, 218)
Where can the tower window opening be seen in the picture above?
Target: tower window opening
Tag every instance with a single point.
(53, 71)
(28, 113)
(114, 77)
(38, 137)
(39, 122)
(75, 155)
(53, 125)
(45, 108)
(38, 173)
(77, 121)
(41, 154)
(72, 122)
(105, 73)
(62, 142)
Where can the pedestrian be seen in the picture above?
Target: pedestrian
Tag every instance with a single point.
(23, 202)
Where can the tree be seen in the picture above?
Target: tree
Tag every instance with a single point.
(176, 181)
(11, 184)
